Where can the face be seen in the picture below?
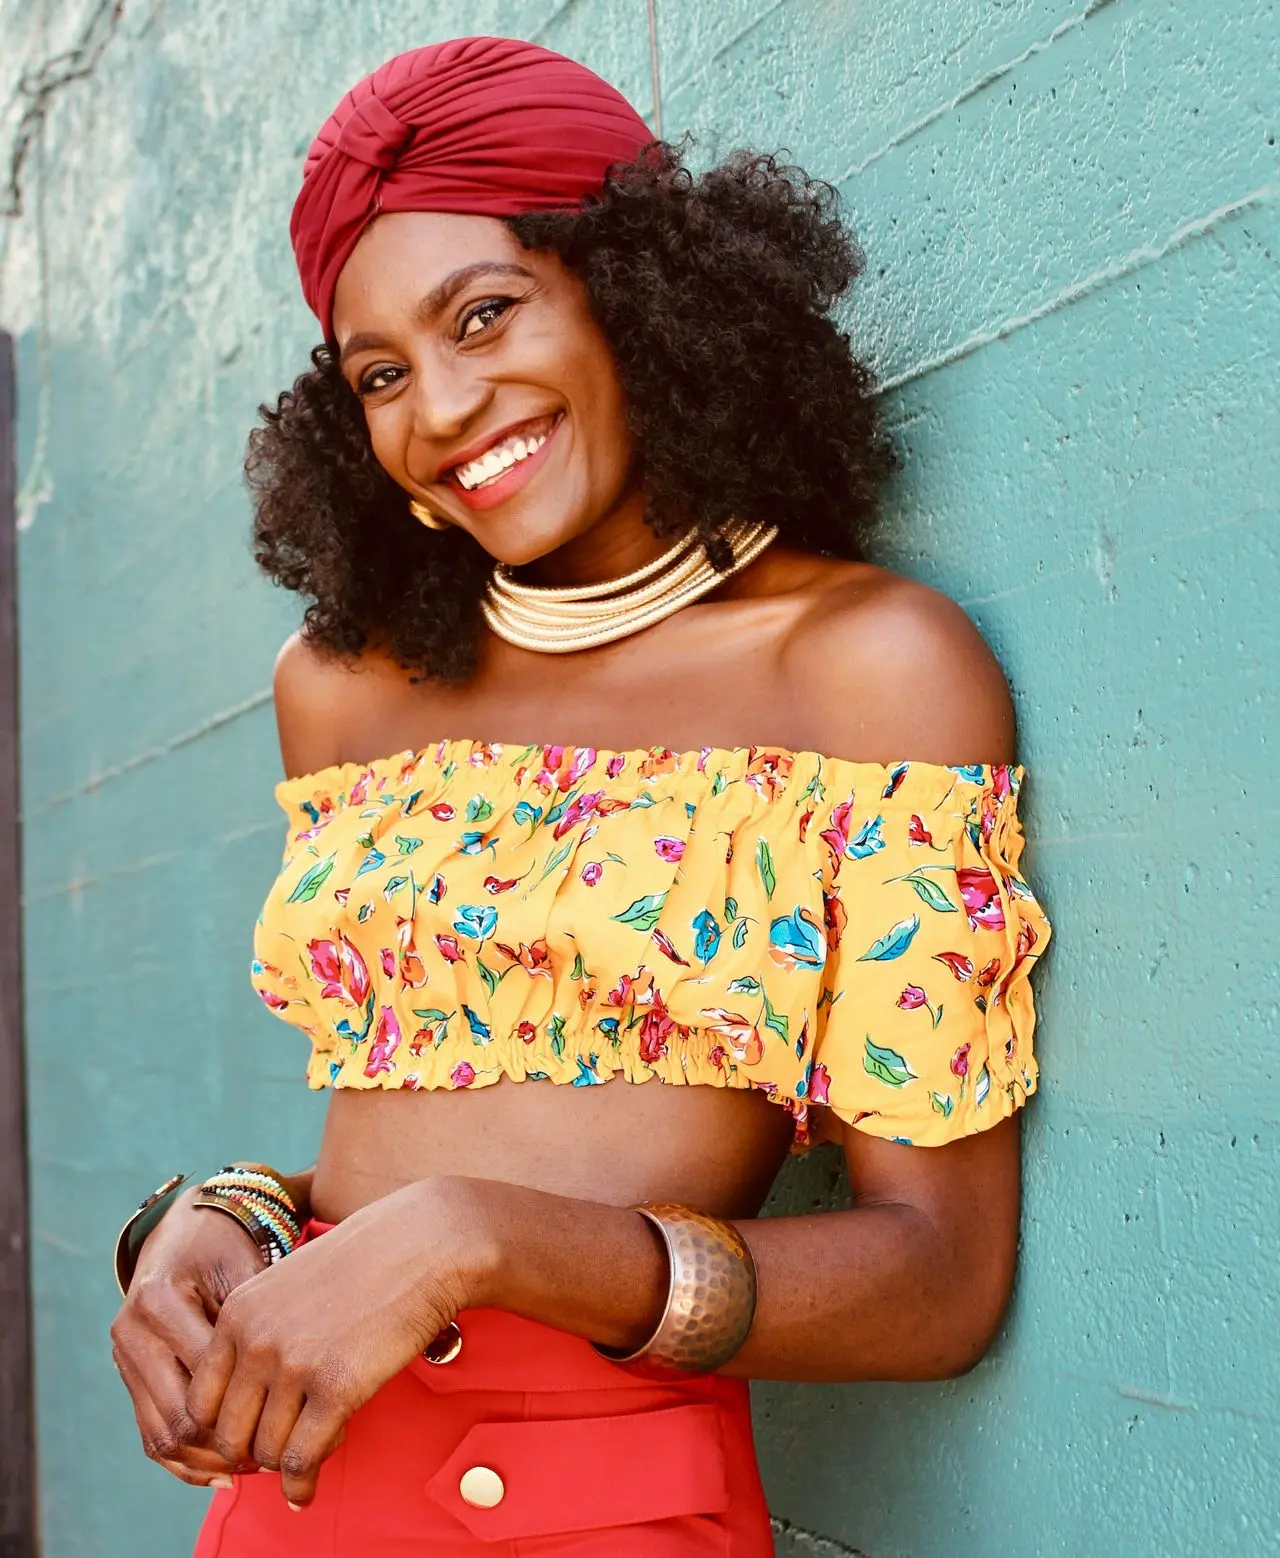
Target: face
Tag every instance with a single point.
(489, 391)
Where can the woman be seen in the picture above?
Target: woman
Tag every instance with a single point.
(679, 790)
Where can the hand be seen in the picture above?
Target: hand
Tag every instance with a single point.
(300, 1347)
(189, 1264)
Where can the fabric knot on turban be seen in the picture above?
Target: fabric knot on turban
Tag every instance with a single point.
(487, 126)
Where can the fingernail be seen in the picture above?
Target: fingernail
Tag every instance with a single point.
(296, 1508)
(221, 1482)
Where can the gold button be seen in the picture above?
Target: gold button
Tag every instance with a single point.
(481, 1488)
(445, 1347)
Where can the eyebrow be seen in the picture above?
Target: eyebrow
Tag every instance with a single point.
(438, 299)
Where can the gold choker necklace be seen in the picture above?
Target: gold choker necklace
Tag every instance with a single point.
(558, 619)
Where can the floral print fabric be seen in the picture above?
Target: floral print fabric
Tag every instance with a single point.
(843, 936)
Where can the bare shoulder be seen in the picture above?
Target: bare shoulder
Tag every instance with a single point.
(323, 701)
(891, 669)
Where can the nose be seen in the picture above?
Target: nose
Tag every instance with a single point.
(448, 396)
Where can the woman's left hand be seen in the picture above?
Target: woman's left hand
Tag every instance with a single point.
(298, 1348)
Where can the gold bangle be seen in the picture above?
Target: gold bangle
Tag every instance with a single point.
(711, 1300)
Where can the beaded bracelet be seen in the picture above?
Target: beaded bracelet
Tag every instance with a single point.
(259, 1200)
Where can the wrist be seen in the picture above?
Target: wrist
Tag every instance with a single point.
(464, 1217)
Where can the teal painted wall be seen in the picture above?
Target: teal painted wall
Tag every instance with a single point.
(1070, 213)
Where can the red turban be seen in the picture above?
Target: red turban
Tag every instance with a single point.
(483, 125)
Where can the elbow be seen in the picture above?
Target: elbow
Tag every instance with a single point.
(968, 1326)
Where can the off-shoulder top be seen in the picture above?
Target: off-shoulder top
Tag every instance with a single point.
(850, 939)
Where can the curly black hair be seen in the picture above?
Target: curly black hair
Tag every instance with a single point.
(744, 398)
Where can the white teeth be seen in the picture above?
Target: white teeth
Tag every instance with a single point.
(494, 462)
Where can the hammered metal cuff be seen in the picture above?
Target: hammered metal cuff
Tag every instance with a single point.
(711, 1301)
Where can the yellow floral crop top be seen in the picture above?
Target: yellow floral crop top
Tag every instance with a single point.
(844, 937)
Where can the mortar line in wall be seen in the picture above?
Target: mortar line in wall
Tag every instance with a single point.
(973, 89)
(651, 9)
(1136, 260)
(154, 754)
(729, 43)
(815, 1545)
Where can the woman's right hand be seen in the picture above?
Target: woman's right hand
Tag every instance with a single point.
(191, 1261)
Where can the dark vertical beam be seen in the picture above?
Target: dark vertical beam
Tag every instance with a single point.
(17, 1437)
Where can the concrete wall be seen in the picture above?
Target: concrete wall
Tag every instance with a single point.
(1070, 213)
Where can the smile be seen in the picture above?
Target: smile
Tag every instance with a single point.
(494, 475)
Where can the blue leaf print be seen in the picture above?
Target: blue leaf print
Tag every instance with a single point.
(707, 936)
(311, 812)
(480, 1030)
(586, 1076)
(478, 920)
(372, 861)
(525, 813)
(436, 891)
(973, 772)
(893, 943)
(896, 775)
(474, 842)
(609, 1026)
(562, 806)
(798, 940)
(867, 840)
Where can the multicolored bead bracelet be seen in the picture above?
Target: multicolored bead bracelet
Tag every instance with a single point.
(259, 1200)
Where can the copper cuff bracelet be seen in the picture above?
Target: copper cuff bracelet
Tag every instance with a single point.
(711, 1300)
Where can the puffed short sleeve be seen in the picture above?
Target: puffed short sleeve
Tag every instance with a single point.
(933, 935)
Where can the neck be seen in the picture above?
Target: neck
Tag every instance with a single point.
(616, 545)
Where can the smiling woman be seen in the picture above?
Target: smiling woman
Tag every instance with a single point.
(750, 836)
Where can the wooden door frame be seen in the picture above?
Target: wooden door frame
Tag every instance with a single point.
(17, 1411)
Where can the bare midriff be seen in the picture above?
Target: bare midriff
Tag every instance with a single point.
(618, 1144)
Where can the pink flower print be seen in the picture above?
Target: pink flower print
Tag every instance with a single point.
(343, 970)
(583, 761)
(463, 1074)
(981, 898)
(275, 1002)
(960, 966)
(580, 807)
(592, 872)
(819, 1085)
(412, 1083)
(386, 1040)
(615, 765)
(913, 998)
(717, 1056)
(836, 836)
(960, 1062)
(449, 948)
(359, 791)
(917, 833)
(388, 963)
(442, 811)
(669, 848)
(546, 777)
(527, 1032)
(1001, 783)
(341, 894)
(667, 947)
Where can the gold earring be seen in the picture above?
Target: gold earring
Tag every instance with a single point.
(426, 516)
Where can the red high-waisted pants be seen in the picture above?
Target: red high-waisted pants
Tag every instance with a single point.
(584, 1461)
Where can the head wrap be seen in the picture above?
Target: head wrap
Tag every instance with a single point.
(491, 126)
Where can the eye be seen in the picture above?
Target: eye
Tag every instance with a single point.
(484, 316)
(379, 378)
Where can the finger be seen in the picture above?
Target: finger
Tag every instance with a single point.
(238, 1416)
(198, 1479)
(316, 1435)
(176, 1315)
(209, 1381)
(279, 1417)
(157, 1386)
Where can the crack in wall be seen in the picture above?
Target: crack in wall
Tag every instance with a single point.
(974, 89)
(39, 85)
(801, 1543)
(130, 765)
(1136, 260)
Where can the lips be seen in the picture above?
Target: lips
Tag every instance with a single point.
(496, 485)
